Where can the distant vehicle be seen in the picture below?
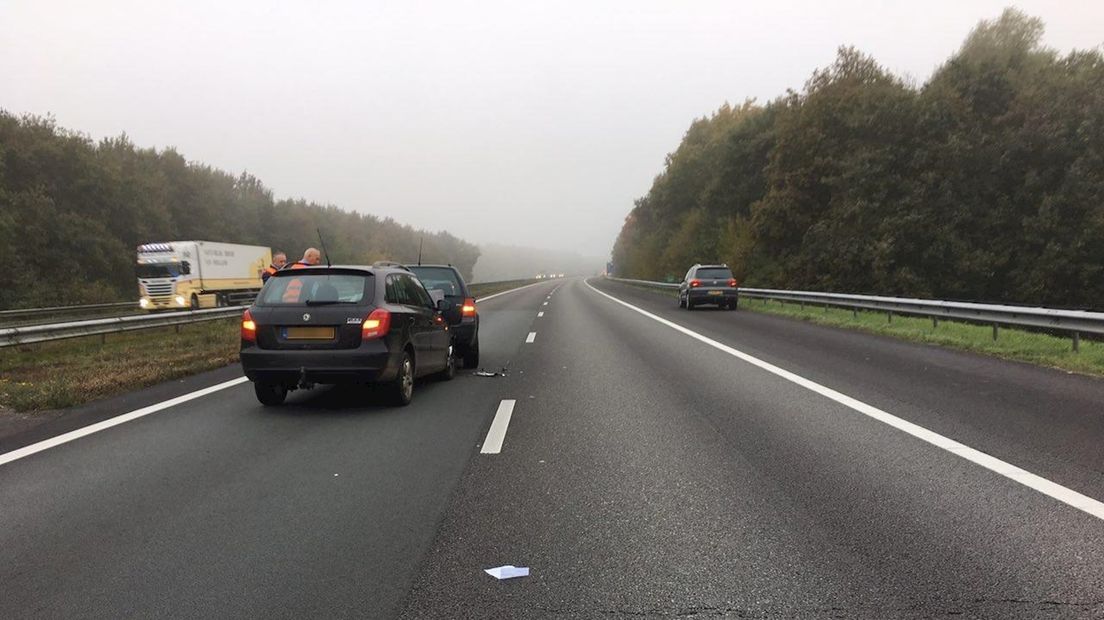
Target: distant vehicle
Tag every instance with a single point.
(708, 284)
(349, 324)
(199, 274)
(462, 316)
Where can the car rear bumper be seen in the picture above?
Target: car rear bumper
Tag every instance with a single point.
(704, 296)
(464, 333)
(365, 364)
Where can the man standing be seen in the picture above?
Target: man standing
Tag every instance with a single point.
(311, 258)
(279, 259)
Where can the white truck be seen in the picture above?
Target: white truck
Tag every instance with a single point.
(176, 275)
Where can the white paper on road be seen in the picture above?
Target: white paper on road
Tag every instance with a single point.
(507, 572)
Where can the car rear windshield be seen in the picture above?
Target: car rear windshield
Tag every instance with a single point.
(316, 289)
(439, 278)
(714, 273)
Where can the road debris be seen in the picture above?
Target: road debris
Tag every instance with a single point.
(507, 572)
(490, 373)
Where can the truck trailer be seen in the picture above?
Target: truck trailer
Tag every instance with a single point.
(178, 275)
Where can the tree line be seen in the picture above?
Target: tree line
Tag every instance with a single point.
(984, 183)
(73, 211)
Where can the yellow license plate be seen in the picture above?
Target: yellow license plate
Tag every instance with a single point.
(716, 292)
(309, 333)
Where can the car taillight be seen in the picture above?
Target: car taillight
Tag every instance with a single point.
(248, 327)
(695, 282)
(732, 283)
(468, 309)
(376, 325)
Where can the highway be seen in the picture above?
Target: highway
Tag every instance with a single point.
(646, 470)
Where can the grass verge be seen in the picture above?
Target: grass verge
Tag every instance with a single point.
(1014, 344)
(52, 375)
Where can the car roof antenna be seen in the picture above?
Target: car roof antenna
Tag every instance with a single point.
(420, 242)
(324, 250)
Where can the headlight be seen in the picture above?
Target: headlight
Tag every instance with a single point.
(179, 300)
(143, 302)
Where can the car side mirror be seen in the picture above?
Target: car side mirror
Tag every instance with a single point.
(444, 305)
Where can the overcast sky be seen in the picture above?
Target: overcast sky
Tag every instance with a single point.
(529, 123)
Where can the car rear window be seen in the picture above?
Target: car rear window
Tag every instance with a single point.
(317, 289)
(714, 273)
(439, 278)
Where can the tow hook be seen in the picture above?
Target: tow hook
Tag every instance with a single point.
(303, 383)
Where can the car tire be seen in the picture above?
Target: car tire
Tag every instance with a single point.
(681, 305)
(689, 304)
(402, 388)
(471, 356)
(450, 367)
(270, 394)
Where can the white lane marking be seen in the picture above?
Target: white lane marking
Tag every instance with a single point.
(46, 444)
(490, 297)
(497, 433)
(545, 303)
(540, 314)
(531, 337)
(1024, 477)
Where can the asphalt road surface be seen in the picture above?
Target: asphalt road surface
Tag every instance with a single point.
(657, 463)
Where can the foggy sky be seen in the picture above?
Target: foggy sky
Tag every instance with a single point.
(526, 123)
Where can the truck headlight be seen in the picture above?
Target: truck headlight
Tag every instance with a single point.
(179, 300)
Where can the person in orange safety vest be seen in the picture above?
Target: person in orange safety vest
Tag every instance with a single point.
(279, 259)
(310, 258)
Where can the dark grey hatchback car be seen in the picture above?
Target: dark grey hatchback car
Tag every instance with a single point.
(347, 324)
(462, 317)
(708, 284)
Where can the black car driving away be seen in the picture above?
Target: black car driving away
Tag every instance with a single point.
(348, 324)
(462, 317)
(708, 284)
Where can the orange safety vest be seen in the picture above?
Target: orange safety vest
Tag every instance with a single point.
(295, 287)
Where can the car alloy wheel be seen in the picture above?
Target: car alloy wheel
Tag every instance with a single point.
(404, 383)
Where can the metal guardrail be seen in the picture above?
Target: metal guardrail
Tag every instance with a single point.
(22, 312)
(29, 334)
(1075, 322)
(11, 336)
(670, 285)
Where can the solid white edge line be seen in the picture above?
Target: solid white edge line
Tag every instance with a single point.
(46, 444)
(531, 337)
(497, 433)
(490, 297)
(1016, 474)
